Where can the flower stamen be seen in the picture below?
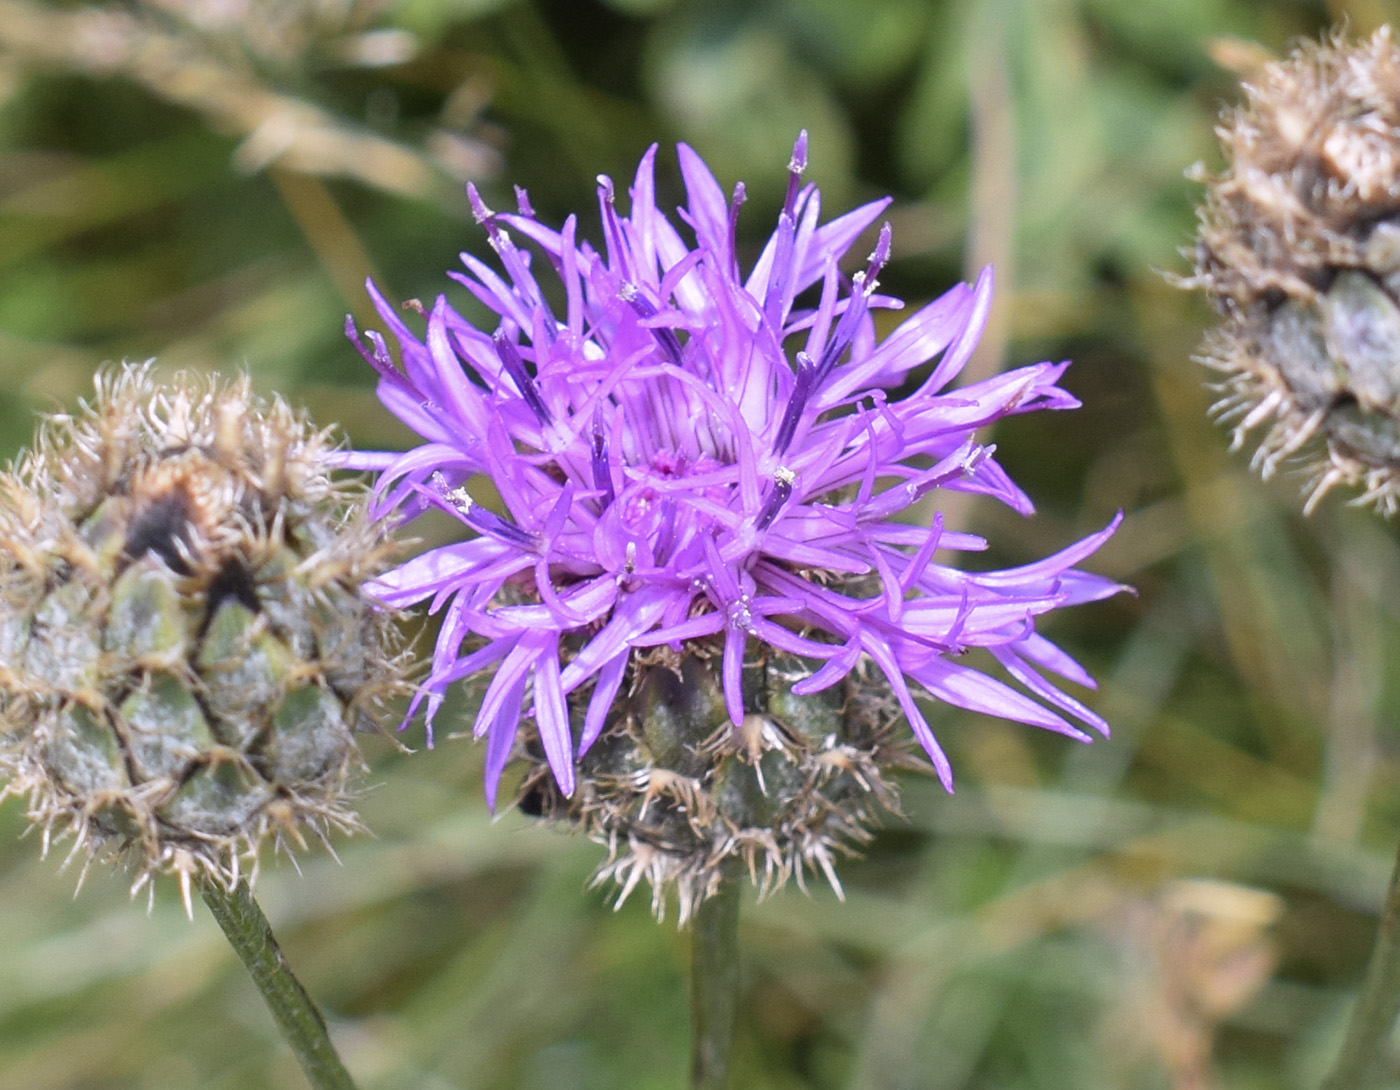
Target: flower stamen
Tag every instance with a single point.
(602, 471)
(483, 519)
(782, 490)
(802, 385)
(524, 381)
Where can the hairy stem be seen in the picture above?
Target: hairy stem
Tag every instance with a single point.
(302, 1026)
(1374, 1014)
(714, 986)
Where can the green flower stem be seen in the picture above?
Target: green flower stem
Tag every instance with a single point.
(1374, 1014)
(714, 986)
(250, 935)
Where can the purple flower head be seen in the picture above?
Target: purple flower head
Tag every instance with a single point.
(686, 452)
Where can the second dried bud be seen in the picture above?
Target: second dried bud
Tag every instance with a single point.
(1299, 250)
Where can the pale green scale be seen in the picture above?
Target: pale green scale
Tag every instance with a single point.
(309, 735)
(14, 636)
(146, 618)
(166, 728)
(1362, 325)
(63, 648)
(246, 670)
(289, 606)
(220, 799)
(1299, 344)
(83, 752)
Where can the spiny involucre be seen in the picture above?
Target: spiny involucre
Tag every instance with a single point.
(185, 645)
(1299, 251)
(705, 480)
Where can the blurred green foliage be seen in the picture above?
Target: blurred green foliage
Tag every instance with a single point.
(210, 181)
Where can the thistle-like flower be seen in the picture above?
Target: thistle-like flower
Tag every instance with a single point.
(185, 645)
(1299, 251)
(704, 560)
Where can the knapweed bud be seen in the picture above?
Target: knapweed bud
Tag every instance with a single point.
(1299, 251)
(185, 648)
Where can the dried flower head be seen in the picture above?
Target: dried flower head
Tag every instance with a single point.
(1299, 251)
(701, 598)
(185, 647)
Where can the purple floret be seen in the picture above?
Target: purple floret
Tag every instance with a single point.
(685, 454)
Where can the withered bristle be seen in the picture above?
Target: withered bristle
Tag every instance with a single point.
(162, 526)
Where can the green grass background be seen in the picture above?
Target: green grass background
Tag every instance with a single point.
(214, 194)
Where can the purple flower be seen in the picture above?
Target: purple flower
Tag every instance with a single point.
(685, 451)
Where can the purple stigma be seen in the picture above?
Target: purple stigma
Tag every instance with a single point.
(782, 492)
(879, 257)
(378, 359)
(483, 520)
(602, 472)
(480, 213)
(665, 335)
(782, 267)
(740, 196)
(515, 367)
(801, 393)
(796, 165)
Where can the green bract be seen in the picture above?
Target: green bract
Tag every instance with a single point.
(683, 799)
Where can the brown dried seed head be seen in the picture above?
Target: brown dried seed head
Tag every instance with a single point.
(1299, 250)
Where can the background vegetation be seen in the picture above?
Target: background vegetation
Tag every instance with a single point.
(1186, 905)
